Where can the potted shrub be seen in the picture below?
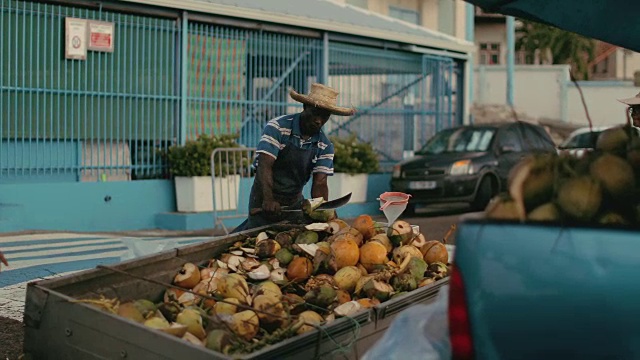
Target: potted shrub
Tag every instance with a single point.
(190, 165)
(352, 163)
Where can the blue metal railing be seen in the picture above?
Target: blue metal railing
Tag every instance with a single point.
(169, 80)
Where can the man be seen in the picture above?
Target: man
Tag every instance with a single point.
(634, 109)
(293, 149)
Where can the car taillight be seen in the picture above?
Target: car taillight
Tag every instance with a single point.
(459, 325)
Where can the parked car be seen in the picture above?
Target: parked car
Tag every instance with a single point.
(468, 163)
(581, 140)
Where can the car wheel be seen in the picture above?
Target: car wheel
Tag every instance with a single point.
(483, 195)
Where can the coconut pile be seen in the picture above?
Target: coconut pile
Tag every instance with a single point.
(277, 285)
(600, 187)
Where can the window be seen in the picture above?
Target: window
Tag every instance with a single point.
(489, 53)
(359, 3)
(408, 15)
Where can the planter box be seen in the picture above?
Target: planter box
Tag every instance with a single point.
(341, 184)
(195, 194)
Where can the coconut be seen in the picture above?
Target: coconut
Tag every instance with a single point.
(285, 239)
(434, 251)
(426, 281)
(399, 254)
(188, 276)
(175, 329)
(400, 232)
(361, 282)
(437, 271)
(295, 303)
(611, 217)
(347, 278)
(348, 308)
(419, 241)
(234, 286)
(373, 255)
(404, 282)
(169, 310)
(615, 174)
(193, 321)
(308, 319)
(319, 280)
(502, 207)
(307, 237)
(157, 323)
(319, 227)
(344, 252)
(384, 240)
(613, 140)
(284, 256)
(244, 324)
(267, 248)
(323, 215)
(219, 340)
(342, 296)
(377, 289)
(192, 339)
(267, 287)
(299, 269)
(336, 225)
(633, 153)
(531, 182)
(310, 205)
(580, 197)
(545, 212)
(250, 264)
(365, 225)
(350, 234)
(278, 276)
(270, 309)
(130, 311)
(262, 272)
(226, 307)
(417, 268)
(368, 303)
(322, 296)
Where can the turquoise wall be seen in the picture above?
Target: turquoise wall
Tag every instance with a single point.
(96, 206)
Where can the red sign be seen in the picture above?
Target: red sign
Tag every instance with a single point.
(100, 36)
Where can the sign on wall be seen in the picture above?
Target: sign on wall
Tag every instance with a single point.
(75, 39)
(100, 36)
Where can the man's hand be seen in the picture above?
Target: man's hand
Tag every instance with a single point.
(271, 207)
(3, 259)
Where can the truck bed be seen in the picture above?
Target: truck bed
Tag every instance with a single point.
(541, 292)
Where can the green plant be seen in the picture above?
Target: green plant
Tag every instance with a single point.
(194, 157)
(353, 156)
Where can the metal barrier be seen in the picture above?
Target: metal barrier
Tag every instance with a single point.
(232, 175)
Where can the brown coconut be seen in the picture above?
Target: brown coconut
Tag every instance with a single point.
(434, 251)
(580, 197)
(615, 174)
(373, 255)
(365, 225)
(344, 252)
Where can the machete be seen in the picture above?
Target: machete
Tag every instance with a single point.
(327, 205)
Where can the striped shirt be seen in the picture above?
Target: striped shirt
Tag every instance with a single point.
(285, 131)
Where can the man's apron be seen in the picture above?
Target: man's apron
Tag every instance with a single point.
(291, 171)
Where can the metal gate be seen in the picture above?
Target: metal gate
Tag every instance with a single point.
(231, 178)
(402, 98)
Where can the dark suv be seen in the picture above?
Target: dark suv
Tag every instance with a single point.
(467, 163)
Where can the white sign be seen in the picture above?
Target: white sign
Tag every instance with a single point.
(75, 39)
(100, 36)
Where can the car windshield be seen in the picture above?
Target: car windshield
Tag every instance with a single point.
(458, 140)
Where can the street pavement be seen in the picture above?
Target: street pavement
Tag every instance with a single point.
(48, 255)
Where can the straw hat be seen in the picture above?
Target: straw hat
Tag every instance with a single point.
(631, 101)
(323, 97)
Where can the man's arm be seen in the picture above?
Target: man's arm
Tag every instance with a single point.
(319, 186)
(265, 179)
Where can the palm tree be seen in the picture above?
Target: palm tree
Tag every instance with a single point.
(547, 44)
